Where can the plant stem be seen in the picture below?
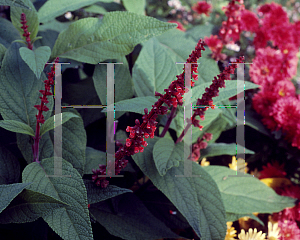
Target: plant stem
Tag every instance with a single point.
(170, 118)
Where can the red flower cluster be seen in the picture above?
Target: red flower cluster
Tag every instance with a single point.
(229, 32)
(172, 97)
(26, 33)
(200, 144)
(273, 68)
(202, 7)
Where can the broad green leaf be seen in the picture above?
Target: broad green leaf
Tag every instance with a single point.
(130, 219)
(231, 217)
(36, 59)
(8, 33)
(49, 123)
(55, 26)
(154, 69)
(19, 89)
(96, 194)
(9, 167)
(182, 47)
(95, 9)
(74, 141)
(93, 159)
(136, 105)
(69, 222)
(31, 18)
(210, 116)
(197, 198)
(15, 3)
(135, 6)
(166, 155)
(2, 52)
(54, 8)
(16, 126)
(230, 90)
(123, 83)
(200, 31)
(9, 192)
(247, 193)
(218, 149)
(93, 40)
(28, 206)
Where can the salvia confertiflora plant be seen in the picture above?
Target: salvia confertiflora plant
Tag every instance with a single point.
(152, 198)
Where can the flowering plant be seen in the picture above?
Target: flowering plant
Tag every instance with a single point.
(57, 178)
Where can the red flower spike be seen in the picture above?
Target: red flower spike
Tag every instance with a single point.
(41, 108)
(148, 126)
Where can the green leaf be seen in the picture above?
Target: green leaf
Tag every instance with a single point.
(123, 82)
(231, 217)
(31, 18)
(9, 192)
(19, 89)
(49, 123)
(93, 40)
(55, 26)
(74, 141)
(154, 69)
(93, 159)
(200, 31)
(28, 206)
(96, 194)
(36, 59)
(219, 149)
(130, 219)
(15, 3)
(197, 198)
(16, 126)
(135, 6)
(69, 222)
(224, 93)
(95, 9)
(8, 33)
(9, 167)
(54, 8)
(166, 155)
(231, 89)
(2, 52)
(136, 105)
(247, 193)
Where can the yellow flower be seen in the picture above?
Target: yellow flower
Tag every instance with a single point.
(273, 231)
(204, 162)
(252, 235)
(231, 232)
(238, 165)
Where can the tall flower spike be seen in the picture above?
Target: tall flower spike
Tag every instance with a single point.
(134, 143)
(42, 108)
(26, 33)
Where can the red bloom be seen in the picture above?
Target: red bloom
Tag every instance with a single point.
(180, 26)
(249, 21)
(286, 112)
(260, 39)
(294, 192)
(272, 171)
(202, 7)
(216, 46)
(266, 66)
(288, 230)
